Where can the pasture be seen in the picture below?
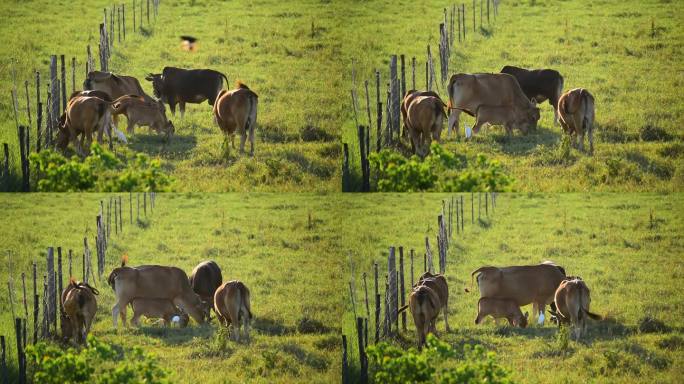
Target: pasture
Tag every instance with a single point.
(627, 247)
(284, 51)
(282, 247)
(627, 53)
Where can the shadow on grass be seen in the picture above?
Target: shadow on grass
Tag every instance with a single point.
(176, 336)
(523, 144)
(176, 147)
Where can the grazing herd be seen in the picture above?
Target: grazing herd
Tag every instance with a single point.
(160, 292)
(509, 99)
(502, 292)
(106, 95)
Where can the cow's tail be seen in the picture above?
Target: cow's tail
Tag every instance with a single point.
(112, 278)
(587, 100)
(479, 270)
(450, 91)
(583, 294)
(245, 301)
(225, 78)
(439, 108)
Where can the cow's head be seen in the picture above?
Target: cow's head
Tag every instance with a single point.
(533, 115)
(157, 84)
(521, 321)
(67, 330)
(62, 134)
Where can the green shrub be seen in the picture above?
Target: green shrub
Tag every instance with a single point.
(99, 363)
(102, 171)
(439, 171)
(560, 154)
(389, 364)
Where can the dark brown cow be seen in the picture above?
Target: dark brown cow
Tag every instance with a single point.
(539, 84)
(236, 110)
(205, 279)
(425, 119)
(467, 92)
(179, 86)
(576, 113)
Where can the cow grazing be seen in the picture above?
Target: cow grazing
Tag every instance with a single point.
(425, 306)
(408, 98)
(157, 309)
(141, 112)
(78, 310)
(504, 115)
(500, 308)
(179, 86)
(236, 110)
(424, 122)
(114, 85)
(205, 279)
(84, 115)
(438, 283)
(576, 114)
(539, 84)
(231, 303)
(153, 282)
(527, 284)
(467, 92)
(572, 300)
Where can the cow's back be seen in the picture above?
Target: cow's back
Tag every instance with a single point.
(529, 283)
(205, 278)
(158, 281)
(469, 91)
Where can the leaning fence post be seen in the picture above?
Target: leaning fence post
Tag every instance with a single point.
(35, 303)
(401, 287)
(377, 304)
(379, 111)
(363, 360)
(365, 292)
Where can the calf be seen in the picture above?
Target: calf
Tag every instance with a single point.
(572, 301)
(425, 117)
(504, 115)
(157, 309)
(78, 310)
(140, 112)
(499, 308)
(236, 110)
(231, 303)
(576, 113)
(438, 283)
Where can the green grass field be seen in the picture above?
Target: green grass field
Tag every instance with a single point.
(633, 70)
(285, 51)
(631, 263)
(265, 241)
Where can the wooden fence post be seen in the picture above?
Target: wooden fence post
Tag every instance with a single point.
(23, 290)
(403, 75)
(463, 15)
(23, 151)
(59, 277)
(71, 271)
(17, 331)
(487, 11)
(412, 255)
(145, 201)
(133, 15)
(365, 294)
(395, 96)
(52, 300)
(377, 304)
(345, 168)
(36, 307)
(378, 112)
(148, 12)
(120, 217)
(474, 15)
(345, 363)
(3, 361)
(130, 201)
(137, 199)
(363, 360)
(393, 287)
(401, 287)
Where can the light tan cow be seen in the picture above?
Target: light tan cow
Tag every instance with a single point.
(527, 284)
(231, 304)
(576, 116)
(469, 91)
(425, 117)
(425, 306)
(572, 299)
(153, 282)
(143, 112)
(406, 101)
(79, 306)
(157, 309)
(84, 116)
(236, 110)
(500, 308)
(438, 283)
(114, 85)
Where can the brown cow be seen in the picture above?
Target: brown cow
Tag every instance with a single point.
(572, 301)
(153, 282)
(425, 306)
(576, 116)
(205, 279)
(408, 98)
(231, 303)
(114, 85)
(79, 306)
(468, 91)
(527, 284)
(505, 115)
(424, 117)
(84, 115)
(236, 110)
(438, 283)
(499, 308)
(157, 309)
(143, 112)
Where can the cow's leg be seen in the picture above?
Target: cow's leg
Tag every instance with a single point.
(251, 139)
(182, 108)
(135, 320)
(454, 121)
(130, 128)
(478, 124)
(415, 141)
(243, 138)
(446, 316)
(535, 311)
